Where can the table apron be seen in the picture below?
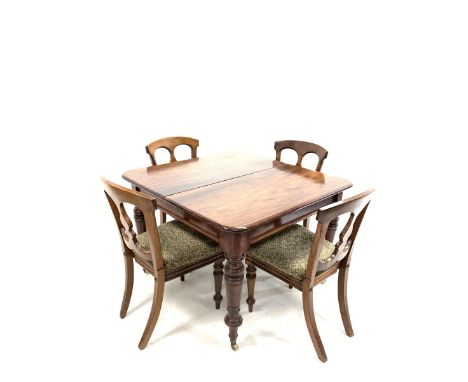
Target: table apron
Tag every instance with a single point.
(189, 219)
(290, 218)
(257, 233)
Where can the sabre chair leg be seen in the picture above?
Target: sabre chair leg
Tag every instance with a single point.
(343, 299)
(154, 314)
(128, 285)
(308, 305)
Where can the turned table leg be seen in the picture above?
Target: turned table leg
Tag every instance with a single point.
(332, 227)
(234, 245)
(218, 267)
(139, 218)
(162, 217)
(330, 235)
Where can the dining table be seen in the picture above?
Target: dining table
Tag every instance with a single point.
(236, 199)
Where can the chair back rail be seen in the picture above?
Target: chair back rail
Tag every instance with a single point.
(302, 148)
(117, 196)
(356, 207)
(170, 144)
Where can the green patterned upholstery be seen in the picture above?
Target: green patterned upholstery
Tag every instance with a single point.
(180, 245)
(288, 251)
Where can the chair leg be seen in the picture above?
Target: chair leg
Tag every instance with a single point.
(182, 278)
(128, 285)
(154, 314)
(162, 217)
(343, 299)
(308, 305)
(251, 274)
(218, 281)
(305, 223)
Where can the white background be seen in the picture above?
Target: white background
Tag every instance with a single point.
(85, 85)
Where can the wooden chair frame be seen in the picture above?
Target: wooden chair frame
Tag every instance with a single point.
(170, 144)
(302, 148)
(152, 262)
(356, 206)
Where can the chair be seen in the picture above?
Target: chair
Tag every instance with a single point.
(302, 149)
(166, 252)
(170, 144)
(303, 259)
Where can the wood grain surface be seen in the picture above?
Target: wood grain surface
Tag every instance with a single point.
(253, 199)
(171, 178)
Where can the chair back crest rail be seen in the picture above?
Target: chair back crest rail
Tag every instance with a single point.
(116, 196)
(170, 145)
(302, 149)
(356, 207)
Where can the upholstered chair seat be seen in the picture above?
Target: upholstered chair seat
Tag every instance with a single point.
(180, 245)
(288, 251)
